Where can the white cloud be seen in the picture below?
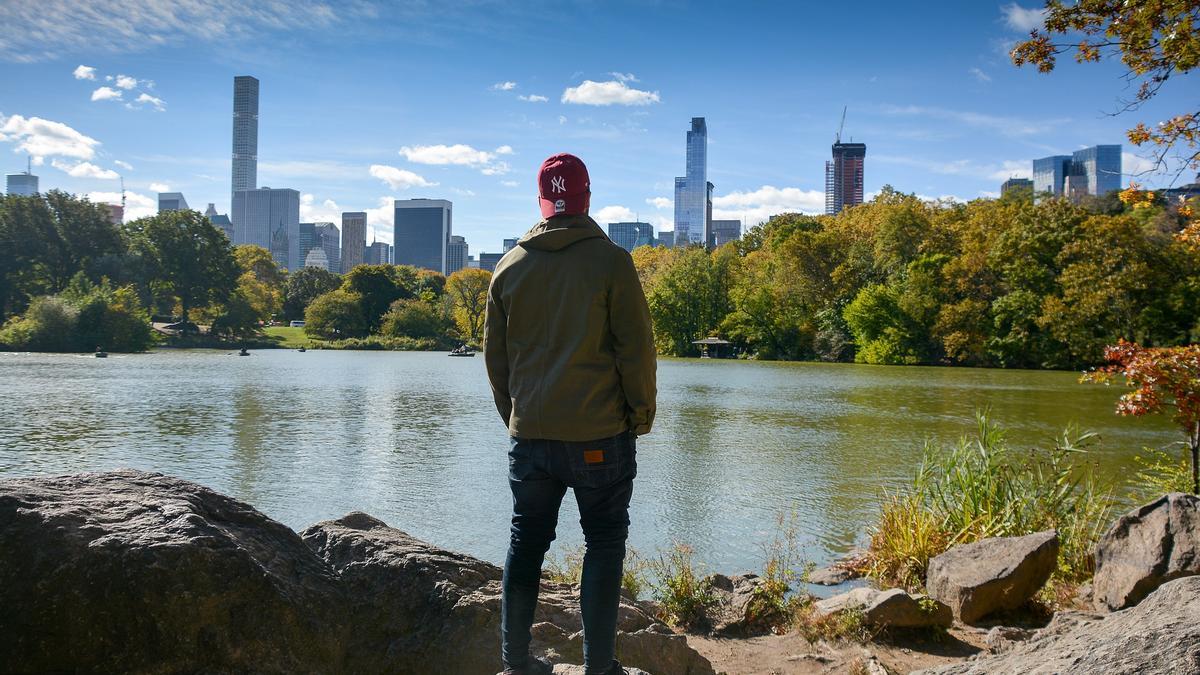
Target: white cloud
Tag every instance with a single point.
(84, 170)
(504, 86)
(612, 92)
(124, 165)
(464, 193)
(126, 82)
(562, 119)
(1024, 20)
(660, 202)
(614, 214)
(625, 77)
(160, 187)
(45, 138)
(399, 179)
(533, 98)
(1134, 165)
(85, 73)
(758, 205)
(459, 154)
(281, 172)
(106, 94)
(1013, 169)
(979, 75)
(1008, 126)
(327, 211)
(146, 99)
(136, 205)
(1002, 171)
(509, 183)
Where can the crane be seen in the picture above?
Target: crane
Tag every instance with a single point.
(838, 138)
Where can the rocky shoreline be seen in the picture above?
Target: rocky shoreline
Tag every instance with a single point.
(128, 571)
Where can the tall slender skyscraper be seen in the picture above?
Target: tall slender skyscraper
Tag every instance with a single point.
(691, 191)
(245, 135)
(844, 176)
(421, 235)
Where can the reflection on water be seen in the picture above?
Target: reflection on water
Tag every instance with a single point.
(414, 439)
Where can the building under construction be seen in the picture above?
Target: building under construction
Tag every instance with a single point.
(844, 174)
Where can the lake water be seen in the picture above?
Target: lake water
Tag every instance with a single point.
(413, 438)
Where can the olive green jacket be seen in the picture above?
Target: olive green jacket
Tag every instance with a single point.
(567, 337)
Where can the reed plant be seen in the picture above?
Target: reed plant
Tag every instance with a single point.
(686, 598)
(567, 568)
(982, 487)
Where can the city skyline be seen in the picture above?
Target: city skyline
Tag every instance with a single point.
(348, 131)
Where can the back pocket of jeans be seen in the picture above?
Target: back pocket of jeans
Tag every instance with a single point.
(595, 464)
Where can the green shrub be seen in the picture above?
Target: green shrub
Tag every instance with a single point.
(1160, 472)
(685, 597)
(47, 326)
(414, 319)
(981, 488)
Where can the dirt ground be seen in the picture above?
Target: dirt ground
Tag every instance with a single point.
(791, 654)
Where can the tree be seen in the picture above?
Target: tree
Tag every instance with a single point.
(415, 319)
(337, 314)
(47, 326)
(468, 289)
(185, 256)
(305, 285)
(1155, 40)
(260, 284)
(377, 287)
(882, 330)
(1162, 379)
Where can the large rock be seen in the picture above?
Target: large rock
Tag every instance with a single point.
(734, 614)
(1146, 548)
(420, 609)
(136, 572)
(993, 574)
(1161, 636)
(891, 608)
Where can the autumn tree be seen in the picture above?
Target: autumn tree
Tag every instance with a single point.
(1163, 379)
(467, 290)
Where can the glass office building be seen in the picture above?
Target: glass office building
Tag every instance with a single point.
(171, 201)
(631, 235)
(245, 135)
(725, 231)
(1090, 171)
(1050, 174)
(456, 254)
(24, 183)
(329, 240)
(269, 218)
(691, 191)
(422, 233)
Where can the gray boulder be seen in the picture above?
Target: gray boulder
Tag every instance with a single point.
(891, 608)
(734, 614)
(143, 573)
(139, 572)
(993, 574)
(1160, 635)
(420, 609)
(1146, 548)
(834, 575)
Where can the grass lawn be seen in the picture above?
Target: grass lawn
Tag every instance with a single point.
(292, 338)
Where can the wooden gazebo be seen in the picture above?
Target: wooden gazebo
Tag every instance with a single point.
(715, 343)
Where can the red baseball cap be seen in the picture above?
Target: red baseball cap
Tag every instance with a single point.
(563, 186)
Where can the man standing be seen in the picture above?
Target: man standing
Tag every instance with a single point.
(571, 360)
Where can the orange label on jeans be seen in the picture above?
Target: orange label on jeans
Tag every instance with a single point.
(593, 456)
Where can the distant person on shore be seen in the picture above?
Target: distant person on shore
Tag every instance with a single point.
(571, 361)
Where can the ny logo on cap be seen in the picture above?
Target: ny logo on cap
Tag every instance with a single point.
(558, 184)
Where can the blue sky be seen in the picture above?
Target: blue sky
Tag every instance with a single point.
(363, 101)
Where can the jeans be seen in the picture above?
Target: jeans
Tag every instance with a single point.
(601, 473)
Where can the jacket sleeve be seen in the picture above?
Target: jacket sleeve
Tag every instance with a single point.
(633, 342)
(495, 351)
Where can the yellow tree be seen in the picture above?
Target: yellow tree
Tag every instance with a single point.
(467, 290)
(261, 281)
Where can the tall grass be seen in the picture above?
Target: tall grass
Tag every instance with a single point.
(982, 487)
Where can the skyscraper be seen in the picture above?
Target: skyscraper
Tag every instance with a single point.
(354, 239)
(488, 261)
(329, 239)
(171, 201)
(222, 222)
(422, 233)
(844, 176)
(631, 235)
(456, 254)
(725, 231)
(510, 244)
(308, 238)
(691, 191)
(24, 183)
(245, 135)
(1090, 171)
(269, 218)
(378, 253)
(1017, 185)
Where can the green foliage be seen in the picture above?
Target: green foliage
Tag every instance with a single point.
(84, 317)
(415, 319)
(685, 598)
(377, 287)
(305, 285)
(770, 607)
(467, 291)
(1160, 472)
(981, 487)
(184, 256)
(689, 298)
(882, 330)
(335, 315)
